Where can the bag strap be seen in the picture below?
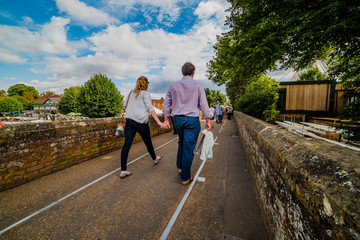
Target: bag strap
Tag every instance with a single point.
(127, 101)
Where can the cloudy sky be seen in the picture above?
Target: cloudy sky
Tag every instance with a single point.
(55, 44)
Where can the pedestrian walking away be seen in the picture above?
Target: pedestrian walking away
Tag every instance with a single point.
(229, 111)
(219, 112)
(212, 114)
(138, 107)
(186, 97)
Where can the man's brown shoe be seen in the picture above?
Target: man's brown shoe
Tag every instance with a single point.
(187, 182)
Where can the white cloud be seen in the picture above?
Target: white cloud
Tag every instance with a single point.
(121, 40)
(168, 11)
(88, 15)
(8, 57)
(121, 53)
(212, 8)
(84, 67)
(50, 39)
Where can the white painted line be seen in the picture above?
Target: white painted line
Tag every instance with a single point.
(222, 126)
(201, 179)
(171, 223)
(76, 191)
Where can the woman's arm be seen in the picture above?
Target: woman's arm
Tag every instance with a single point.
(154, 115)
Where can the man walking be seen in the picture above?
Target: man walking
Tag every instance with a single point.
(186, 97)
(219, 112)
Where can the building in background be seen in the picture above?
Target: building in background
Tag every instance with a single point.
(47, 103)
(158, 103)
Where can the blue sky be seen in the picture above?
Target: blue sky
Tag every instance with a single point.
(55, 44)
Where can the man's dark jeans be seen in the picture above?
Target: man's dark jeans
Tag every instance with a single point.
(131, 128)
(188, 129)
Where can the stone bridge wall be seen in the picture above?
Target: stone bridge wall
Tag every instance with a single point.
(308, 189)
(32, 150)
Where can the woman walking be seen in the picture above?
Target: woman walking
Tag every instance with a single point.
(138, 106)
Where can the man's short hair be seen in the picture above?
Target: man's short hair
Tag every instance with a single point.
(187, 69)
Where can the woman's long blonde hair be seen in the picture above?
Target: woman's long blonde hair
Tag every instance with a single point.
(141, 84)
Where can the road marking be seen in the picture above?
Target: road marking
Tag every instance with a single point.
(201, 179)
(222, 126)
(76, 191)
(171, 223)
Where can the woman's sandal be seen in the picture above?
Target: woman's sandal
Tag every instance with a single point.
(158, 158)
(125, 174)
(187, 182)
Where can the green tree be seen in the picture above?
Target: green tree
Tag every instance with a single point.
(69, 101)
(26, 105)
(214, 96)
(2, 92)
(258, 98)
(10, 104)
(99, 97)
(19, 89)
(313, 74)
(264, 34)
(50, 93)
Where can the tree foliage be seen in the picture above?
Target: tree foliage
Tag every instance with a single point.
(29, 96)
(258, 98)
(264, 34)
(99, 97)
(19, 89)
(214, 96)
(26, 105)
(313, 74)
(69, 101)
(8, 104)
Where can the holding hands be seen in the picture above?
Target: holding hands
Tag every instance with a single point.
(166, 123)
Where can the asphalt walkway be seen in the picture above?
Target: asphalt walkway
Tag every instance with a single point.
(90, 201)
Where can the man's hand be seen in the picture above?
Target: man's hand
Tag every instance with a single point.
(208, 124)
(166, 123)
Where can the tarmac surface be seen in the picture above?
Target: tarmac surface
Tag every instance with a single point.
(91, 201)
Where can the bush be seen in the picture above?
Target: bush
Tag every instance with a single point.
(69, 101)
(25, 103)
(258, 98)
(8, 104)
(313, 74)
(99, 97)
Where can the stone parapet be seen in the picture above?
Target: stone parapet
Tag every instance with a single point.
(32, 150)
(307, 188)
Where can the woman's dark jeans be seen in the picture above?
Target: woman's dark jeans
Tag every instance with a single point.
(131, 128)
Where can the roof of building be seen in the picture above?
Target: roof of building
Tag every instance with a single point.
(54, 98)
(157, 100)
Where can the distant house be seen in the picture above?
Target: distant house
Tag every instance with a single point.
(158, 103)
(47, 103)
(311, 98)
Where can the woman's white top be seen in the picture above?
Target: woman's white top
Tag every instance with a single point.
(211, 111)
(138, 109)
